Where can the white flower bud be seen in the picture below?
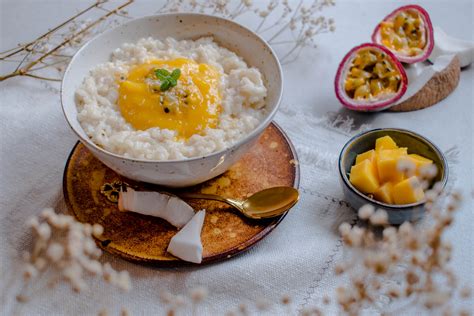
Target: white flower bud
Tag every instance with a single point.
(431, 195)
(55, 252)
(179, 301)
(32, 222)
(30, 271)
(366, 211)
(438, 187)
(89, 246)
(48, 213)
(407, 166)
(166, 297)
(389, 233)
(428, 171)
(97, 230)
(355, 236)
(406, 229)
(198, 294)
(44, 231)
(344, 229)
(87, 228)
(380, 217)
(40, 263)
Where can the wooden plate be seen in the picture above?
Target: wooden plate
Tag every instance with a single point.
(271, 162)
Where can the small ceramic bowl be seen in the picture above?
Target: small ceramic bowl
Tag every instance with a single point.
(417, 144)
(174, 173)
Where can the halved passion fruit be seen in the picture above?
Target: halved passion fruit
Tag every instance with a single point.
(407, 32)
(370, 78)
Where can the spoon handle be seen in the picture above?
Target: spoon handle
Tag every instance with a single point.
(235, 203)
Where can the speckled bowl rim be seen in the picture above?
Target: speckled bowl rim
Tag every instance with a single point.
(402, 207)
(258, 130)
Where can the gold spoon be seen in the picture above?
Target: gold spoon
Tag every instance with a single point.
(263, 204)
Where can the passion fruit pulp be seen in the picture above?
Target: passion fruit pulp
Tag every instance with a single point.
(407, 32)
(370, 78)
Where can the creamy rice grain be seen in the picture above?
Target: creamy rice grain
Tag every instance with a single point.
(241, 87)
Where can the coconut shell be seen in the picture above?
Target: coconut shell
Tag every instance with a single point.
(436, 89)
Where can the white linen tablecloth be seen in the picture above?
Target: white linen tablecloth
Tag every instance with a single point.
(298, 257)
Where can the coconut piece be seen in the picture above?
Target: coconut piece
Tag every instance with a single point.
(447, 45)
(168, 207)
(186, 244)
(441, 83)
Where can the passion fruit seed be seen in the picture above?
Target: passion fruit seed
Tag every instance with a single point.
(370, 75)
(405, 33)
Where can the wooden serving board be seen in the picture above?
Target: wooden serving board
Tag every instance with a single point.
(271, 162)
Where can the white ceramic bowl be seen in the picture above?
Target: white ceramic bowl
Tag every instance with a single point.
(174, 173)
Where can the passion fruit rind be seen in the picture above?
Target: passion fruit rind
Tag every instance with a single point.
(384, 78)
(413, 41)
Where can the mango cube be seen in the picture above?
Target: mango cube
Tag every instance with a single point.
(387, 161)
(384, 193)
(363, 177)
(369, 155)
(385, 142)
(419, 161)
(408, 191)
(386, 173)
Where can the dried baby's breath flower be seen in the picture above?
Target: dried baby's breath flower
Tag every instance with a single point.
(355, 237)
(409, 261)
(344, 229)
(406, 166)
(379, 218)
(243, 308)
(428, 171)
(288, 26)
(179, 301)
(103, 312)
(438, 187)
(431, 196)
(124, 312)
(366, 211)
(166, 297)
(285, 300)
(339, 269)
(65, 248)
(390, 234)
(198, 294)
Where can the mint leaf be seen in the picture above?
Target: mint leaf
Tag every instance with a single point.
(168, 80)
(162, 74)
(175, 74)
(165, 85)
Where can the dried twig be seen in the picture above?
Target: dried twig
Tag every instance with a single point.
(281, 22)
(36, 51)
